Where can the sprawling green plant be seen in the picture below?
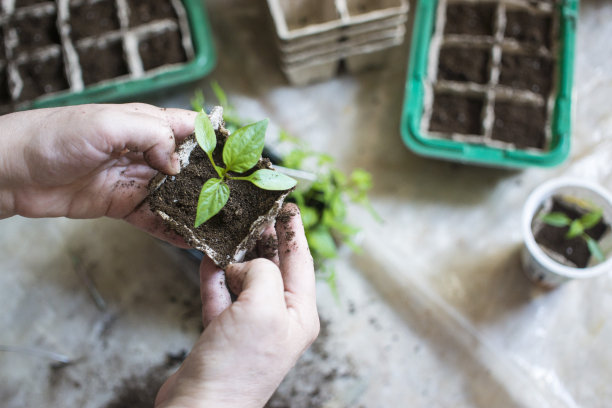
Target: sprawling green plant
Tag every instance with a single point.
(323, 204)
(578, 227)
(241, 153)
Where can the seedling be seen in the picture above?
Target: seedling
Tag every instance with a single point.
(241, 153)
(578, 227)
(324, 204)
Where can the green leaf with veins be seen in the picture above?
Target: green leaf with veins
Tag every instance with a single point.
(270, 180)
(243, 148)
(213, 197)
(556, 219)
(591, 219)
(205, 133)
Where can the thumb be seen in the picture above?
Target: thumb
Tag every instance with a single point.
(256, 281)
(214, 294)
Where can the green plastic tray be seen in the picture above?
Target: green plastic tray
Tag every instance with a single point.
(123, 89)
(422, 144)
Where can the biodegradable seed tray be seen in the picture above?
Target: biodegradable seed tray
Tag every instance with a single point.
(314, 36)
(490, 81)
(296, 19)
(74, 51)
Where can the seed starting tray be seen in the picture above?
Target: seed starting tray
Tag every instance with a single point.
(492, 86)
(76, 51)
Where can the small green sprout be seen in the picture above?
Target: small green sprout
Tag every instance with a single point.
(241, 153)
(578, 227)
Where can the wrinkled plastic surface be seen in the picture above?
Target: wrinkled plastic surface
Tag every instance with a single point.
(434, 313)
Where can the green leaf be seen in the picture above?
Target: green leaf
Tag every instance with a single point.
(594, 248)
(197, 102)
(213, 197)
(556, 219)
(310, 217)
(575, 229)
(294, 159)
(591, 219)
(205, 134)
(220, 94)
(270, 180)
(321, 242)
(361, 179)
(243, 148)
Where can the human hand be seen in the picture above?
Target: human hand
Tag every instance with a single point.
(249, 346)
(88, 161)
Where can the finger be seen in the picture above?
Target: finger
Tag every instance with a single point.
(258, 281)
(295, 259)
(146, 220)
(267, 246)
(139, 132)
(214, 293)
(181, 121)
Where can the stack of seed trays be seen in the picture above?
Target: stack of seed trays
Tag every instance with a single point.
(492, 84)
(53, 51)
(314, 36)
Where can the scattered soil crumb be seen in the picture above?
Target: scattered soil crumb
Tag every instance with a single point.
(140, 391)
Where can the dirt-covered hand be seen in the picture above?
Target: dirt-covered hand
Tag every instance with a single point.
(249, 346)
(87, 161)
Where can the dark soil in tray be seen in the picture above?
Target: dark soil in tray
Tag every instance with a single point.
(456, 114)
(114, 63)
(42, 77)
(527, 73)
(161, 49)
(464, 64)
(25, 3)
(529, 29)
(145, 11)
(89, 19)
(522, 125)
(36, 31)
(474, 19)
(178, 198)
(5, 96)
(574, 250)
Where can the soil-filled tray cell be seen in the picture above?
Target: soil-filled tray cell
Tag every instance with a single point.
(42, 77)
(472, 19)
(99, 63)
(456, 114)
(161, 49)
(89, 19)
(302, 13)
(36, 31)
(527, 28)
(26, 3)
(357, 7)
(525, 72)
(521, 125)
(145, 11)
(5, 96)
(464, 64)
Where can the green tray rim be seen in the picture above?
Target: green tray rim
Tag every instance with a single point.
(203, 62)
(421, 144)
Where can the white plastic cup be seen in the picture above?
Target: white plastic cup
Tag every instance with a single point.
(537, 265)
